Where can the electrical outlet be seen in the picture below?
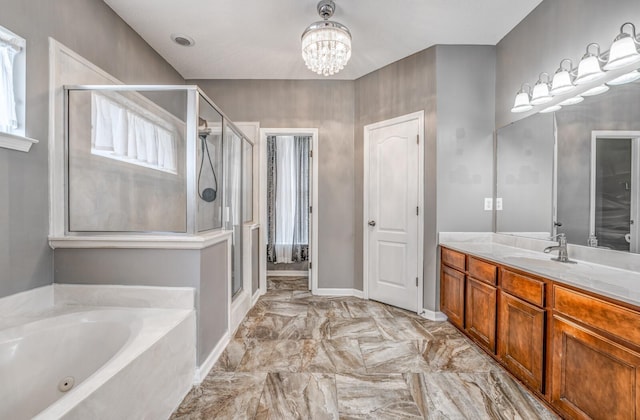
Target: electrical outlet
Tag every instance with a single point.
(488, 203)
(499, 204)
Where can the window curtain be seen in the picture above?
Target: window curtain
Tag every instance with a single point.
(288, 198)
(8, 118)
(120, 133)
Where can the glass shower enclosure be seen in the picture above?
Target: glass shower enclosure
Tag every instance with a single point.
(153, 160)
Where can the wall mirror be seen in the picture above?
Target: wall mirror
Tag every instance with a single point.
(592, 191)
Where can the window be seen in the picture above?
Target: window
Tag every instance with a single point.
(120, 133)
(12, 82)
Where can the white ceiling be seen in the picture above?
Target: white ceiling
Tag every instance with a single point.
(260, 39)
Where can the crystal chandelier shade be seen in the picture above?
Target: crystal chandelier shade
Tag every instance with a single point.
(326, 45)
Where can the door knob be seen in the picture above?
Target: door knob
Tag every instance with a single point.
(372, 222)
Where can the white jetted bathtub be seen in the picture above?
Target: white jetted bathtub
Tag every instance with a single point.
(96, 362)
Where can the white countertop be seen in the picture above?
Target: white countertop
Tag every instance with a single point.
(615, 283)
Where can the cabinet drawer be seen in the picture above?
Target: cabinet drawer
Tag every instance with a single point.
(616, 320)
(483, 271)
(526, 288)
(454, 259)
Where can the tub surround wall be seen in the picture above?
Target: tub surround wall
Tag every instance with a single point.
(93, 30)
(205, 270)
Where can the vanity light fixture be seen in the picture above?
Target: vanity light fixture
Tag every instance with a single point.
(552, 108)
(540, 94)
(562, 79)
(625, 78)
(595, 91)
(572, 101)
(624, 49)
(326, 45)
(589, 69)
(523, 100)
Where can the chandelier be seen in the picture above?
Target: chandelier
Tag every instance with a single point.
(326, 45)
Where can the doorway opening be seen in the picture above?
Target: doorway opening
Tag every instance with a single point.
(615, 206)
(290, 194)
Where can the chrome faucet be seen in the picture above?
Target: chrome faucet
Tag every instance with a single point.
(563, 255)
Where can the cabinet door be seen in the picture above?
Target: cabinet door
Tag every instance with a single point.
(521, 339)
(452, 295)
(592, 377)
(480, 315)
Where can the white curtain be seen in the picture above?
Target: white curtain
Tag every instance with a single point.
(122, 134)
(8, 118)
(285, 206)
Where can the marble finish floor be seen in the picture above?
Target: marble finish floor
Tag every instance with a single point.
(298, 356)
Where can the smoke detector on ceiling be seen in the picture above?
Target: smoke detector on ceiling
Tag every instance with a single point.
(183, 40)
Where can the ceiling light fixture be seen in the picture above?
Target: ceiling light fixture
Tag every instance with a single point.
(326, 45)
(595, 91)
(621, 61)
(624, 49)
(540, 94)
(523, 101)
(562, 79)
(589, 69)
(572, 101)
(625, 78)
(552, 108)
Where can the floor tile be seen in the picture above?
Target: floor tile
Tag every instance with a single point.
(223, 396)
(383, 356)
(380, 396)
(473, 396)
(299, 396)
(353, 328)
(333, 356)
(299, 356)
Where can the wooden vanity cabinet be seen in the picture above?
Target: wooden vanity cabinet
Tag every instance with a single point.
(521, 327)
(578, 351)
(595, 357)
(452, 295)
(480, 303)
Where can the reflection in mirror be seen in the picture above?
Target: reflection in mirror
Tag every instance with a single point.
(592, 210)
(614, 193)
(524, 173)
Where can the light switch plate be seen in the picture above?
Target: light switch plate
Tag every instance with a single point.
(499, 204)
(488, 203)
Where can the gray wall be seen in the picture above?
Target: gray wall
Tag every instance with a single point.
(93, 30)
(205, 270)
(328, 106)
(466, 86)
(556, 29)
(524, 173)
(403, 87)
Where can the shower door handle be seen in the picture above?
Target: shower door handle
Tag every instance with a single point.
(372, 222)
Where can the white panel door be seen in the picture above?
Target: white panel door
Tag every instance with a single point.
(393, 214)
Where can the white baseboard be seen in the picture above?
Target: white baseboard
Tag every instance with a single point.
(287, 273)
(339, 292)
(203, 370)
(432, 315)
(255, 297)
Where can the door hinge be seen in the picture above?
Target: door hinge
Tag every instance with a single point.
(310, 153)
(310, 265)
(310, 209)
(417, 138)
(417, 210)
(416, 282)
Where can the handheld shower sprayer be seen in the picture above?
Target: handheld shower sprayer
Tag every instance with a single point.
(208, 194)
